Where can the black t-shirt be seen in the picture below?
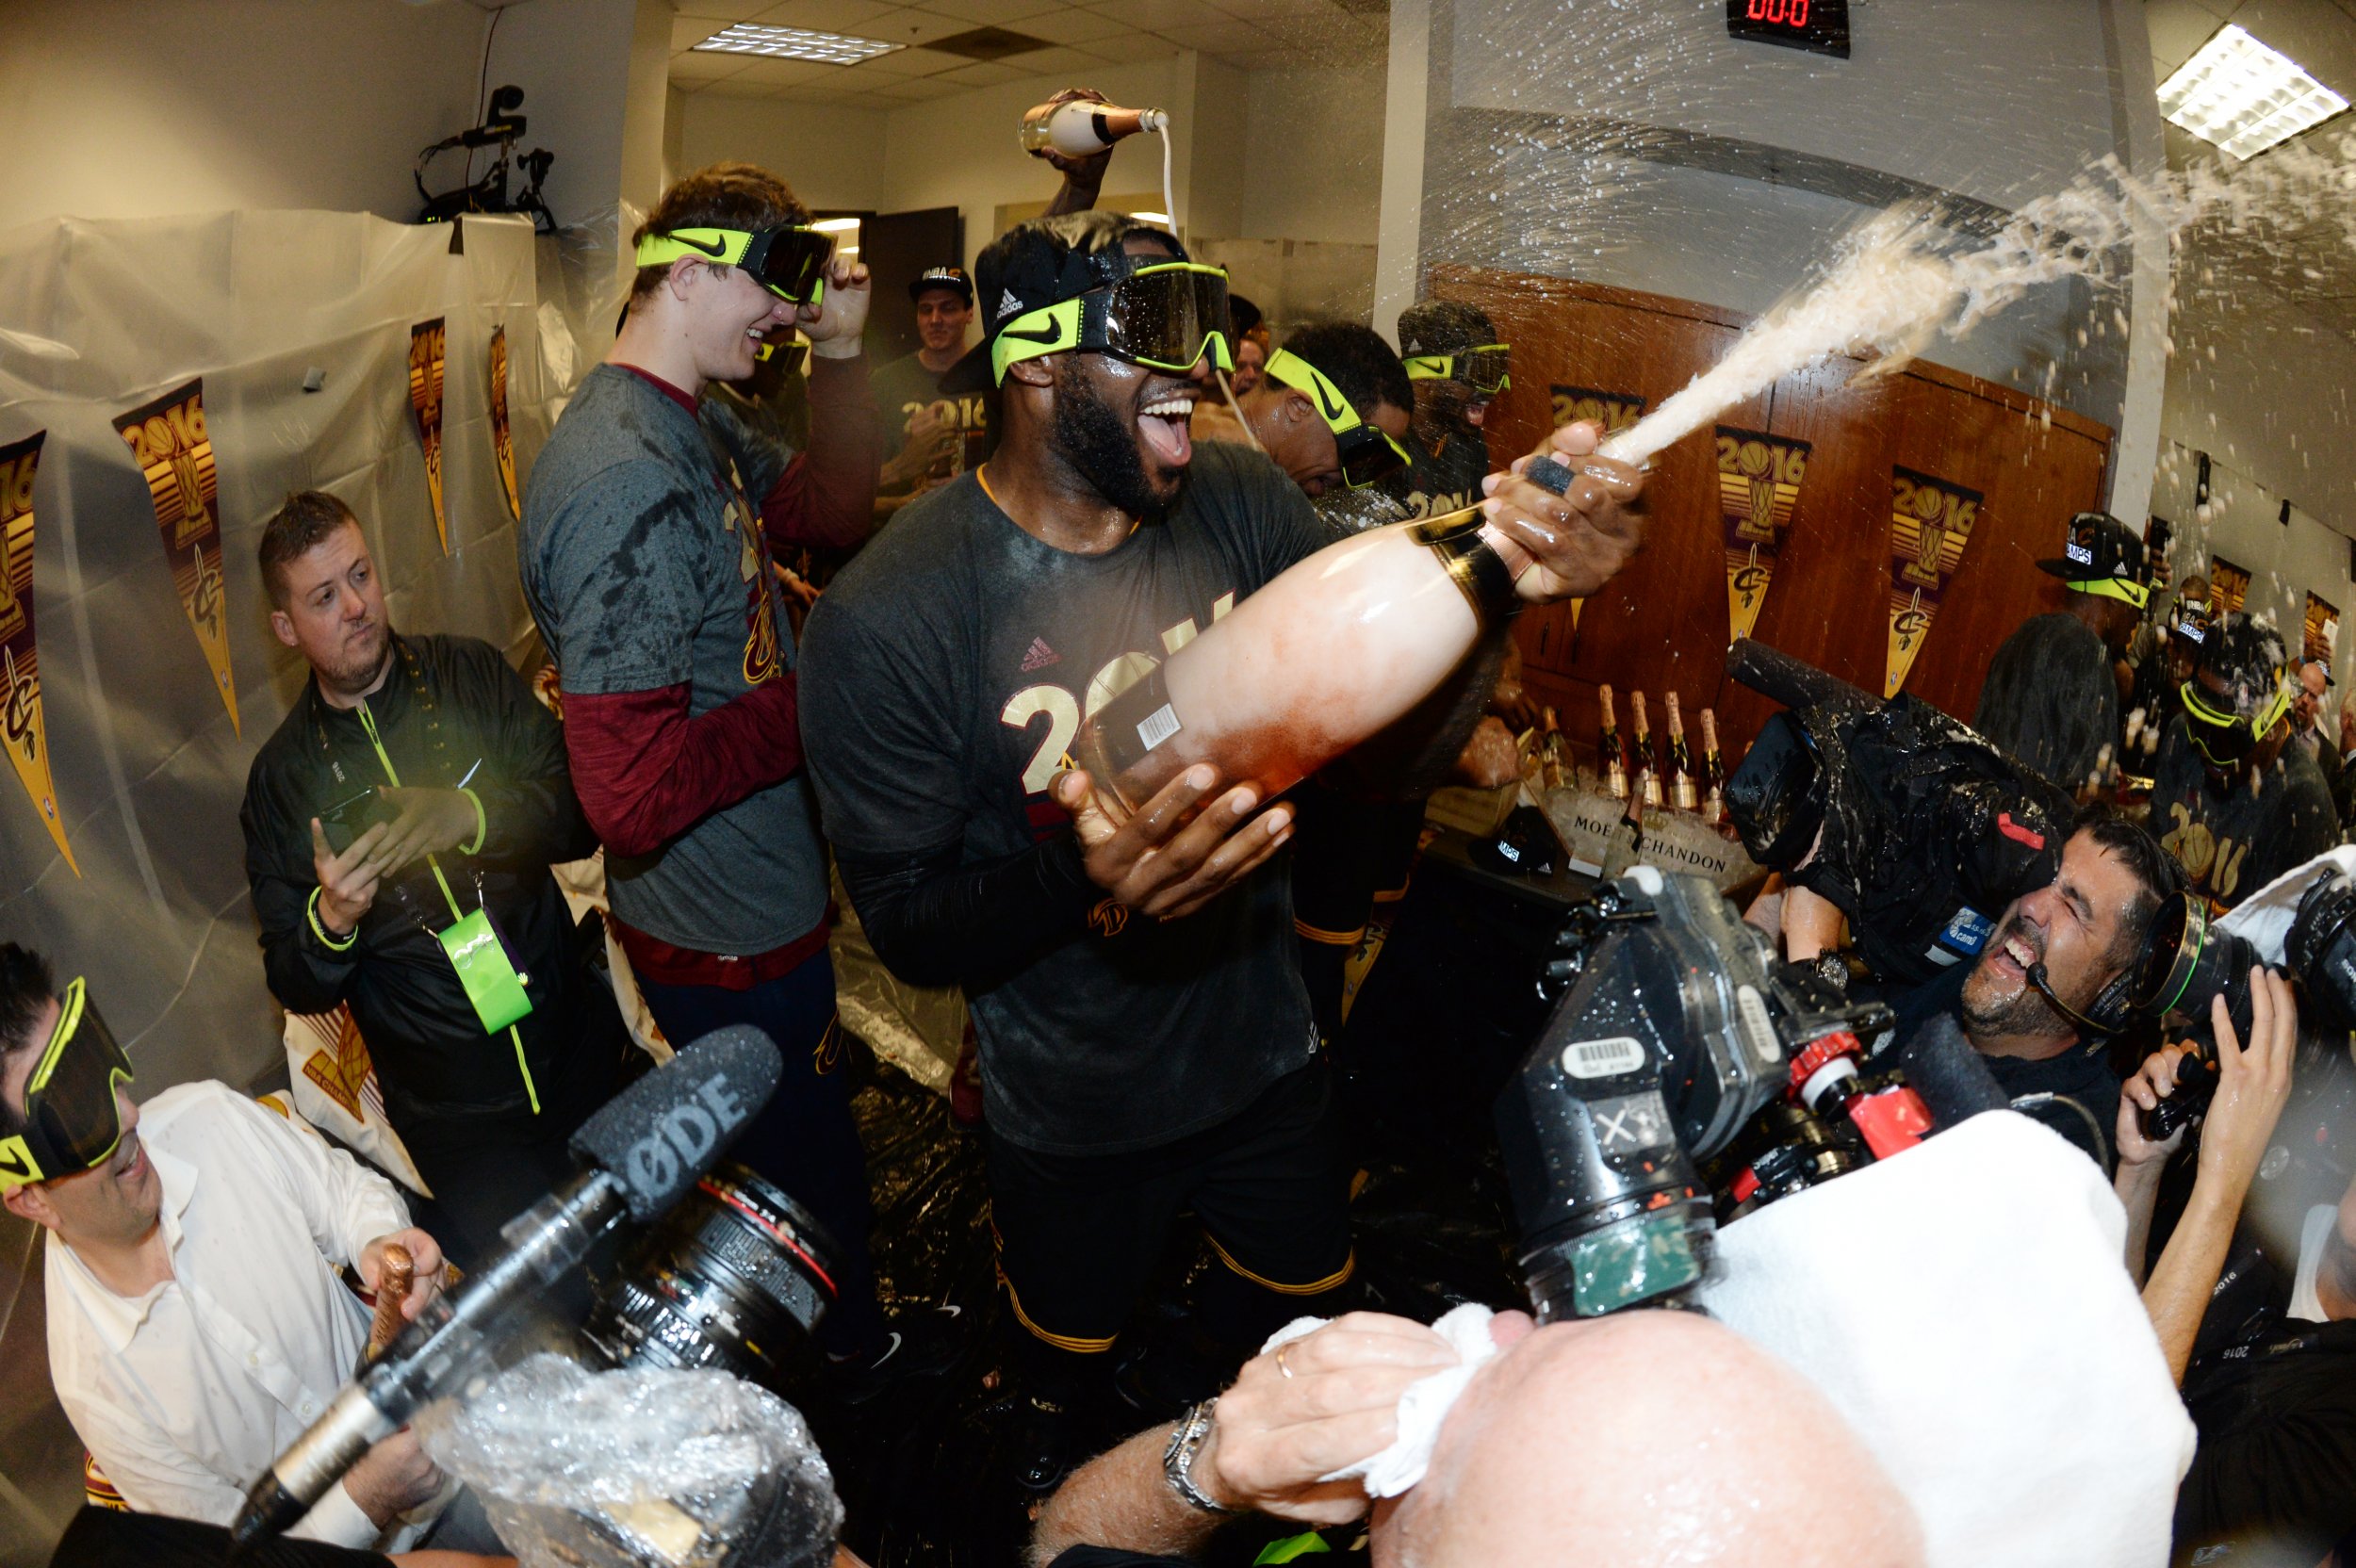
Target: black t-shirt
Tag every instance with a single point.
(942, 677)
(1443, 477)
(2232, 843)
(2081, 1074)
(2051, 699)
(2273, 1481)
(907, 385)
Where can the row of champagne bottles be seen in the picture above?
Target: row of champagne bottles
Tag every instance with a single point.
(1635, 770)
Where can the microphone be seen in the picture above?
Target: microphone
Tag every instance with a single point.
(643, 1152)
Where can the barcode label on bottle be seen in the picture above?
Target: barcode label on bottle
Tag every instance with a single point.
(1157, 726)
(1606, 1058)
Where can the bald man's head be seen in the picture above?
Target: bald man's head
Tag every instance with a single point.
(1643, 1439)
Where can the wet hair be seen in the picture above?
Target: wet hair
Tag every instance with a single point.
(1356, 360)
(2153, 867)
(306, 519)
(725, 196)
(2246, 655)
(26, 988)
(1443, 327)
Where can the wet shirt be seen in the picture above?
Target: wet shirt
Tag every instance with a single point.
(946, 674)
(2232, 843)
(2081, 1074)
(1445, 478)
(645, 568)
(907, 386)
(2050, 699)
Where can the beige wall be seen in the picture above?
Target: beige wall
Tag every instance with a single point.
(1315, 165)
(832, 156)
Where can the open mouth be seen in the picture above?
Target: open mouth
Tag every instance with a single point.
(1476, 414)
(2015, 952)
(1167, 431)
(137, 1164)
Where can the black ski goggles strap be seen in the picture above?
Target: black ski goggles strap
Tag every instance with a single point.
(1168, 316)
(1367, 453)
(73, 1115)
(789, 262)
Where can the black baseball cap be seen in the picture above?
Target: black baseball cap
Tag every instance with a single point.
(943, 277)
(2101, 555)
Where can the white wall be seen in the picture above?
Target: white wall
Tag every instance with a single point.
(2243, 525)
(138, 108)
(831, 155)
(1315, 164)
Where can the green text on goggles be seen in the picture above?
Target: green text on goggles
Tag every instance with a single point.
(1366, 451)
(1165, 316)
(1483, 368)
(2224, 737)
(73, 1116)
(789, 262)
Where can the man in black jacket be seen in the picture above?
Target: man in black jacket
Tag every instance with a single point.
(416, 782)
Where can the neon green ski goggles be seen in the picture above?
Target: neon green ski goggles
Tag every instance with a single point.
(2222, 736)
(1366, 451)
(1165, 316)
(73, 1117)
(1484, 367)
(789, 262)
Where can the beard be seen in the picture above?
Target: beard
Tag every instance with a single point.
(2025, 1012)
(355, 667)
(1101, 445)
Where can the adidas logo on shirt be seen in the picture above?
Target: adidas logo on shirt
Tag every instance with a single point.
(1040, 656)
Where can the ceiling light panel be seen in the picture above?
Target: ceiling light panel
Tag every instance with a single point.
(796, 43)
(2244, 97)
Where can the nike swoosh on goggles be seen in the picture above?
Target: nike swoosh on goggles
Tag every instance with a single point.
(2222, 736)
(789, 262)
(2124, 589)
(73, 1119)
(1483, 367)
(1366, 451)
(1165, 316)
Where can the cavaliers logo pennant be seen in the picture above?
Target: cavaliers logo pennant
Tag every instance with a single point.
(503, 440)
(168, 441)
(1930, 522)
(1758, 485)
(21, 730)
(426, 340)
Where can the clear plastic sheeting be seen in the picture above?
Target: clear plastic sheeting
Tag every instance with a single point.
(639, 1469)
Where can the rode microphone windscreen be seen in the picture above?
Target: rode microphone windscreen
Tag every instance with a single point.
(660, 1135)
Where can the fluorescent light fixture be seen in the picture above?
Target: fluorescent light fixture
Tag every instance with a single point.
(797, 43)
(835, 225)
(1152, 217)
(2244, 97)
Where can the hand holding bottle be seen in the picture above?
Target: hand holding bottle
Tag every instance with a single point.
(1576, 542)
(1182, 848)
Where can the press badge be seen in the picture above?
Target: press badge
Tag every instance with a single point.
(1967, 932)
(487, 971)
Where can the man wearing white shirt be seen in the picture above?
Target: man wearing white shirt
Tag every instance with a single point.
(197, 1322)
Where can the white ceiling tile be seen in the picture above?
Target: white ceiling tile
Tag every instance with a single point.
(915, 62)
(1073, 24)
(994, 13)
(777, 72)
(737, 87)
(1051, 62)
(1254, 10)
(917, 90)
(1130, 48)
(914, 24)
(728, 11)
(981, 74)
(1153, 15)
(1218, 37)
(824, 16)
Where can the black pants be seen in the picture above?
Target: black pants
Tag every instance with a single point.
(1348, 855)
(1078, 1234)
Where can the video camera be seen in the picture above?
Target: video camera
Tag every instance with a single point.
(1673, 1030)
(500, 130)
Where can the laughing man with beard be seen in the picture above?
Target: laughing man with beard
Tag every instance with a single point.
(1146, 1044)
(2088, 928)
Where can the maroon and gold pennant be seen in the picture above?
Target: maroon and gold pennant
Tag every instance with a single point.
(1930, 522)
(503, 440)
(2229, 586)
(426, 340)
(1758, 485)
(1613, 411)
(2323, 630)
(168, 441)
(22, 726)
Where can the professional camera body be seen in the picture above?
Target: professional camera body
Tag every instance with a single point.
(1673, 1030)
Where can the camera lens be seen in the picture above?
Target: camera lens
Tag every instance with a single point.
(734, 1279)
(2321, 947)
(2189, 961)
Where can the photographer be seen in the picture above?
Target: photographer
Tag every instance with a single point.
(1550, 1455)
(2052, 959)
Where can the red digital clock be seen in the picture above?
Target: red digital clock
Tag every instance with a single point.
(1820, 26)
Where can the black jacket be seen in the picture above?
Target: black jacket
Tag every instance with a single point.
(449, 704)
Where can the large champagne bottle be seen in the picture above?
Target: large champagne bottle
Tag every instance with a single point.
(1681, 791)
(1648, 766)
(1611, 759)
(1332, 651)
(1713, 772)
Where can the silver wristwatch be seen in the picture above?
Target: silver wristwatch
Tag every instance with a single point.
(1185, 1441)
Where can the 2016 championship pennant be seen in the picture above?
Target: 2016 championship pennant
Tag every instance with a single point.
(1758, 485)
(503, 440)
(1613, 411)
(1930, 522)
(22, 728)
(2322, 630)
(2229, 585)
(168, 441)
(426, 340)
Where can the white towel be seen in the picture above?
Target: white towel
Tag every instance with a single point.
(1965, 1306)
(1421, 1407)
(2264, 919)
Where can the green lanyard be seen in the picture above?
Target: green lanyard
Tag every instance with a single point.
(367, 722)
